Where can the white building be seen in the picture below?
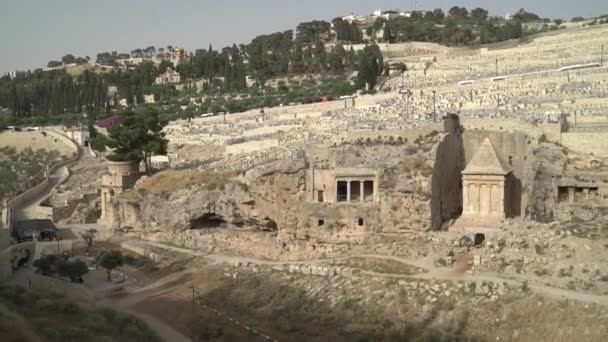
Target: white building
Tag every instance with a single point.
(130, 61)
(169, 77)
(80, 135)
(149, 98)
(112, 90)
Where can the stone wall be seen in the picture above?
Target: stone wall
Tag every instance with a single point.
(10, 257)
(43, 187)
(502, 125)
(62, 213)
(586, 142)
(446, 193)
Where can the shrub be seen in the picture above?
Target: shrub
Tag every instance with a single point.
(99, 142)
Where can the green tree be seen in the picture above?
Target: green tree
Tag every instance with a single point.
(109, 260)
(72, 269)
(524, 16)
(370, 66)
(68, 59)
(89, 237)
(44, 265)
(336, 59)
(479, 15)
(53, 64)
(138, 136)
(164, 65)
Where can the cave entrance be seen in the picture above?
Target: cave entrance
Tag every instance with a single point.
(479, 239)
(270, 225)
(209, 220)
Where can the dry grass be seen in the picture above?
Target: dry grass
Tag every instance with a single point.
(172, 180)
(414, 164)
(42, 315)
(382, 266)
(34, 140)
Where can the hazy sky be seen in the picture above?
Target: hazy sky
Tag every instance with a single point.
(34, 32)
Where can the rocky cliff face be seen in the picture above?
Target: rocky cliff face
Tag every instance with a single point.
(175, 201)
(196, 207)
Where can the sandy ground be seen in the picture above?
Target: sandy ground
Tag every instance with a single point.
(34, 140)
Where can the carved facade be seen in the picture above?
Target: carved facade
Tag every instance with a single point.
(122, 176)
(484, 186)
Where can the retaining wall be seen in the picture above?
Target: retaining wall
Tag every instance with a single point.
(11, 255)
(7, 256)
(61, 213)
(43, 187)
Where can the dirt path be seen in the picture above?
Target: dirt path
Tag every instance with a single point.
(127, 305)
(123, 304)
(434, 273)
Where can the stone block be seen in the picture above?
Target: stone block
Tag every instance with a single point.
(305, 270)
(477, 260)
(347, 272)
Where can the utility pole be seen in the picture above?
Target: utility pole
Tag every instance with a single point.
(193, 313)
(434, 107)
(407, 104)
(496, 72)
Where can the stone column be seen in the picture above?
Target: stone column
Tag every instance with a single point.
(361, 191)
(465, 197)
(570, 195)
(348, 191)
(501, 189)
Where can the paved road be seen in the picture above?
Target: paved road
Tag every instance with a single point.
(28, 209)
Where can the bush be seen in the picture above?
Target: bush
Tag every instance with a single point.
(50, 265)
(99, 142)
(400, 67)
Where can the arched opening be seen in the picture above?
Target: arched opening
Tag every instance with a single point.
(479, 239)
(208, 220)
(270, 225)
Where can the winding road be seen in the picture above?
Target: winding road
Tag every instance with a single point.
(28, 209)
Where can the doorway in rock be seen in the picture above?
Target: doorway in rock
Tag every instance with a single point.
(479, 239)
(208, 220)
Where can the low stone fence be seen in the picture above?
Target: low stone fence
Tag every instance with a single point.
(506, 125)
(142, 248)
(322, 271)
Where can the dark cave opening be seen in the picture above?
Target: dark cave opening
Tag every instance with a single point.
(208, 220)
